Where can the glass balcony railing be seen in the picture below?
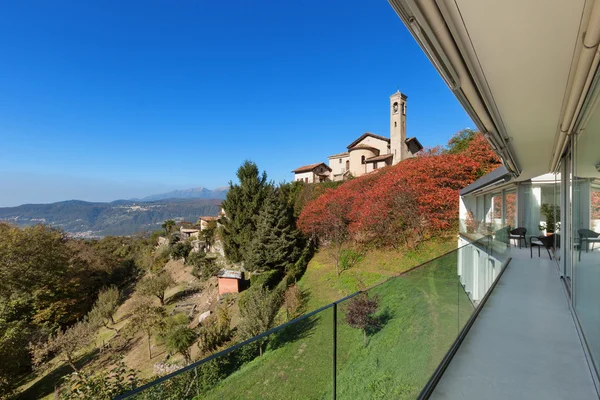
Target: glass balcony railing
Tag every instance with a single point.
(421, 317)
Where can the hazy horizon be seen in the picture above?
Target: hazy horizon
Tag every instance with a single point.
(56, 188)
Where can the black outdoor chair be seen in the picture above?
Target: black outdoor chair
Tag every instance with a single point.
(539, 242)
(587, 236)
(518, 234)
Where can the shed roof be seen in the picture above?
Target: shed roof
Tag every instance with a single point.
(227, 273)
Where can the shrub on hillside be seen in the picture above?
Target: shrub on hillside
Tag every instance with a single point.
(181, 250)
(268, 279)
(215, 330)
(360, 314)
(177, 336)
(204, 267)
(105, 385)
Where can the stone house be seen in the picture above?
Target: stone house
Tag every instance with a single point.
(312, 173)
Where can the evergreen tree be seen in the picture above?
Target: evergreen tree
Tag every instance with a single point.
(277, 243)
(242, 206)
(258, 312)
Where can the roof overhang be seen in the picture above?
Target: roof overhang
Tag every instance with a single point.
(521, 69)
(498, 176)
(368, 134)
(339, 155)
(413, 144)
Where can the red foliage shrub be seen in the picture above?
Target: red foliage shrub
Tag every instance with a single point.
(399, 203)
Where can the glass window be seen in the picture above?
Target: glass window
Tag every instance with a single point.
(510, 209)
(586, 234)
(487, 212)
(558, 217)
(496, 211)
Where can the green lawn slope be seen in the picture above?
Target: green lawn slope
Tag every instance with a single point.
(422, 313)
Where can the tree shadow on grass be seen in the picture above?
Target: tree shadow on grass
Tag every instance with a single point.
(181, 295)
(46, 385)
(380, 321)
(297, 331)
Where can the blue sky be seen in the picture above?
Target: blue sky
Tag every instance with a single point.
(112, 99)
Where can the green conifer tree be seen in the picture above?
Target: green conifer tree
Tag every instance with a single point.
(277, 243)
(242, 206)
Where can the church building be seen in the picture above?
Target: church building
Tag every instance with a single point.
(370, 151)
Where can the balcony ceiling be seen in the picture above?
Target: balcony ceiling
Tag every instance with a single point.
(523, 52)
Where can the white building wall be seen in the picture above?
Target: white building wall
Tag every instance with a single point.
(338, 167)
(357, 168)
(381, 145)
(308, 177)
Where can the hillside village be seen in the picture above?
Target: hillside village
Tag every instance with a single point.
(367, 153)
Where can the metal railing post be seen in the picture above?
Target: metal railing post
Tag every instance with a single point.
(334, 349)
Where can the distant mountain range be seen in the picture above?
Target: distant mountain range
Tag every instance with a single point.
(193, 193)
(121, 217)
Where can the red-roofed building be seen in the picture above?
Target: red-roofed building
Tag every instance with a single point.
(312, 173)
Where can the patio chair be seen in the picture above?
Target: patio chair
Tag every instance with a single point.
(587, 236)
(539, 242)
(518, 234)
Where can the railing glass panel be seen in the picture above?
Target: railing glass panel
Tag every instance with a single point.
(390, 352)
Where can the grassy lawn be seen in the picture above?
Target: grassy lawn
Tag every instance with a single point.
(423, 312)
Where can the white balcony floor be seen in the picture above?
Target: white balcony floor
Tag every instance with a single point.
(524, 344)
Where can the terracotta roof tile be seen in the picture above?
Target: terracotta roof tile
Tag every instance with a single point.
(379, 158)
(310, 167)
(363, 146)
(339, 155)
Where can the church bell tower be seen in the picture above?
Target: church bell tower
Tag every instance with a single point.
(398, 127)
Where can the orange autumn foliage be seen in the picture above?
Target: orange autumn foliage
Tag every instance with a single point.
(402, 203)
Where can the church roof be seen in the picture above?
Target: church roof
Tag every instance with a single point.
(339, 155)
(364, 147)
(310, 167)
(401, 95)
(379, 158)
(368, 134)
